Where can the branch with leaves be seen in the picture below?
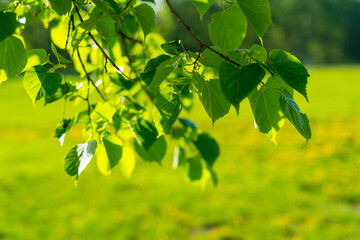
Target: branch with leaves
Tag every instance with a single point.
(138, 117)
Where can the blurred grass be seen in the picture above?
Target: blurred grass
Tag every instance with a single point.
(265, 191)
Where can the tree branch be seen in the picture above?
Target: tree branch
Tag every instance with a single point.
(102, 50)
(202, 44)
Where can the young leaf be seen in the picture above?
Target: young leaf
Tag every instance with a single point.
(36, 57)
(155, 153)
(128, 161)
(290, 69)
(106, 27)
(208, 58)
(267, 110)
(113, 149)
(193, 168)
(33, 79)
(258, 14)
(51, 83)
(150, 69)
(258, 52)
(37, 78)
(162, 72)
(79, 157)
(145, 133)
(7, 24)
(295, 116)
(228, 28)
(208, 148)
(86, 26)
(212, 98)
(236, 83)
(61, 129)
(60, 58)
(202, 5)
(173, 48)
(110, 7)
(166, 111)
(13, 58)
(61, 7)
(146, 17)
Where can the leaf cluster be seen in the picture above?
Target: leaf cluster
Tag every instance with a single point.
(133, 86)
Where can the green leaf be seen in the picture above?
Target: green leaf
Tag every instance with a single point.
(194, 168)
(150, 69)
(79, 157)
(37, 78)
(173, 48)
(145, 133)
(106, 110)
(130, 26)
(36, 57)
(13, 58)
(202, 5)
(228, 28)
(208, 148)
(155, 153)
(113, 149)
(106, 27)
(51, 83)
(295, 116)
(258, 14)
(146, 17)
(166, 111)
(162, 72)
(8, 24)
(237, 83)
(61, 7)
(258, 52)
(290, 69)
(33, 79)
(128, 161)
(211, 97)
(84, 27)
(208, 58)
(59, 57)
(266, 108)
(110, 7)
(61, 129)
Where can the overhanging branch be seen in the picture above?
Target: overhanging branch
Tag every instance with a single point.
(202, 44)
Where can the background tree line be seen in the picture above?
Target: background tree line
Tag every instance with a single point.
(318, 32)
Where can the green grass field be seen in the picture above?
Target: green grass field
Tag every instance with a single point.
(265, 191)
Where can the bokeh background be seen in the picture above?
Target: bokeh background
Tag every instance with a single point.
(288, 191)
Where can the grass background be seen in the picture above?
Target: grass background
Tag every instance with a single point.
(265, 191)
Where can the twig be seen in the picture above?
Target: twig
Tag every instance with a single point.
(128, 4)
(198, 57)
(202, 44)
(88, 76)
(102, 50)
